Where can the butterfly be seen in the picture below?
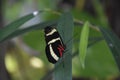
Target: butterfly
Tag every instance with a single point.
(54, 44)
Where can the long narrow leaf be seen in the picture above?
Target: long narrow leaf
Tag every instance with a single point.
(83, 43)
(114, 44)
(30, 28)
(65, 28)
(10, 28)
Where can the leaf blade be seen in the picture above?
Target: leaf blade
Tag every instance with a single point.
(83, 43)
(10, 28)
(65, 27)
(30, 28)
(113, 43)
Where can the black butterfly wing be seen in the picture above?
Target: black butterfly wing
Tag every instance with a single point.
(49, 56)
(54, 51)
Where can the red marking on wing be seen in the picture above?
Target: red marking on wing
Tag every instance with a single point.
(61, 49)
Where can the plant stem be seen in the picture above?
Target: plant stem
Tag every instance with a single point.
(77, 21)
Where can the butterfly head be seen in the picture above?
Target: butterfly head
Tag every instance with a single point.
(48, 29)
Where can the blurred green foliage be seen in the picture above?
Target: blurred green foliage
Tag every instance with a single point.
(99, 60)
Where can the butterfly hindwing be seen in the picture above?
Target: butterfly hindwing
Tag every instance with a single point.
(48, 54)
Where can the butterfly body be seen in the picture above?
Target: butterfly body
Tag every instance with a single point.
(54, 45)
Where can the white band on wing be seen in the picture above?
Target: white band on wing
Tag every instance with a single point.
(50, 33)
(53, 40)
(53, 54)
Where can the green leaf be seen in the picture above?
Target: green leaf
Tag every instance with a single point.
(114, 44)
(65, 29)
(83, 43)
(30, 28)
(10, 28)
